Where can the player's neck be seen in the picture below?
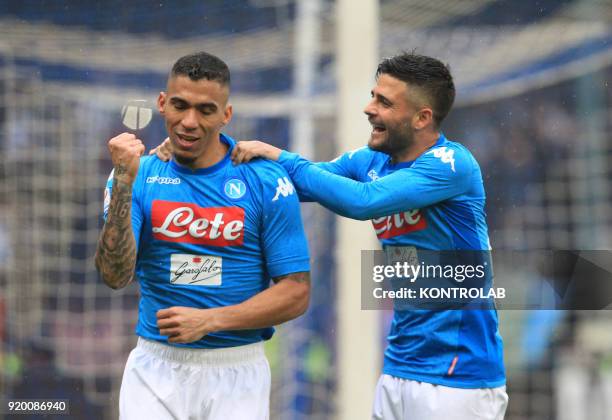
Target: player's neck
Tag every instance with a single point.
(422, 142)
(214, 153)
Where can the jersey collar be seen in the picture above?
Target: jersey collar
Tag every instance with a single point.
(441, 140)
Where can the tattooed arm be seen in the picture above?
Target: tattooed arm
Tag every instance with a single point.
(116, 253)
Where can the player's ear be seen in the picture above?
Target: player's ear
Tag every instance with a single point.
(422, 118)
(227, 114)
(161, 102)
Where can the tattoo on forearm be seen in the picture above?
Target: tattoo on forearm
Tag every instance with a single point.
(303, 277)
(120, 170)
(116, 252)
(124, 210)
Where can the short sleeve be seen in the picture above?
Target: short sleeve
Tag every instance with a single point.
(283, 238)
(434, 177)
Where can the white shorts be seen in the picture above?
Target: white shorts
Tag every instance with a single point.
(166, 382)
(404, 399)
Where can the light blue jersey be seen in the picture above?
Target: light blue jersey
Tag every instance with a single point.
(433, 203)
(212, 237)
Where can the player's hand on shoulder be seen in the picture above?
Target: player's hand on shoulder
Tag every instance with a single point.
(185, 325)
(244, 151)
(163, 151)
(125, 150)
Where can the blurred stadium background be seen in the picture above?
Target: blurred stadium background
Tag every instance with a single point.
(534, 105)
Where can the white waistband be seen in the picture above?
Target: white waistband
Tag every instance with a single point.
(213, 357)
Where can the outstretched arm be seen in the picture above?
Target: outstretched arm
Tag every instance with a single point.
(436, 176)
(344, 165)
(284, 301)
(116, 252)
(429, 180)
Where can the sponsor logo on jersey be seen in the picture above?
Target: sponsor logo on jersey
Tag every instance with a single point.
(399, 224)
(285, 188)
(196, 270)
(234, 188)
(163, 180)
(185, 222)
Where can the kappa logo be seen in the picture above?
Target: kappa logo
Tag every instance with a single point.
(285, 188)
(373, 175)
(163, 180)
(445, 155)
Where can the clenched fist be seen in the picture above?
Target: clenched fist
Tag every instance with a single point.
(125, 150)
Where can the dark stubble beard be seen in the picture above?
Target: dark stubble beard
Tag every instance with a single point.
(183, 160)
(394, 145)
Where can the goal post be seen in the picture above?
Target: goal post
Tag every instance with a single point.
(358, 330)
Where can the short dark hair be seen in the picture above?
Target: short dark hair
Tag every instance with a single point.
(427, 73)
(202, 65)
